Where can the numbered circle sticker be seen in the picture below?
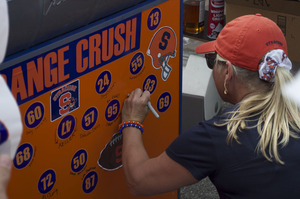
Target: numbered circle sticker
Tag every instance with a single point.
(79, 160)
(150, 83)
(137, 63)
(154, 19)
(34, 115)
(47, 181)
(164, 102)
(89, 182)
(66, 127)
(112, 110)
(3, 133)
(23, 156)
(103, 82)
(89, 118)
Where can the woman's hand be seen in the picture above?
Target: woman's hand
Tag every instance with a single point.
(135, 106)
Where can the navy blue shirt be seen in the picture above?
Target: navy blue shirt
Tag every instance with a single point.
(237, 170)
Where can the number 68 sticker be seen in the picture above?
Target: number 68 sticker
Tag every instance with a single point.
(23, 156)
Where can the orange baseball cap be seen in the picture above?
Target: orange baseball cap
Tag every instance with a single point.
(245, 40)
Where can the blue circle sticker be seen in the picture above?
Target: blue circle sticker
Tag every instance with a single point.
(89, 182)
(103, 82)
(34, 115)
(150, 83)
(89, 118)
(47, 181)
(3, 133)
(137, 63)
(164, 102)
(154, 19)
(79, 160)
(66, 127)
(112, 110)
(23, 156)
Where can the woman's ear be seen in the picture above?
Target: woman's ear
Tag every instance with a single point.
(228, 71)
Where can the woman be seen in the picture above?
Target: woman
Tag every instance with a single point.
(252, 150)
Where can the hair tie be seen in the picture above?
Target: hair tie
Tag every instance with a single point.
(272, 60)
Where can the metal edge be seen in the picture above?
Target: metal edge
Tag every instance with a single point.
(76, 34)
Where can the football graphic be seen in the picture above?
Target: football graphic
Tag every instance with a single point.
(111, 156)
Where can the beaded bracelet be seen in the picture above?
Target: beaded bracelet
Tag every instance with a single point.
(131, 124)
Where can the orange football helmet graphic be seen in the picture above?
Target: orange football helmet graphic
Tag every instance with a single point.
(161, 48)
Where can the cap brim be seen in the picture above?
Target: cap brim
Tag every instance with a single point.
(206, 47)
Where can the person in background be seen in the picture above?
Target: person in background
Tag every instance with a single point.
(10, 119)
(252, 149)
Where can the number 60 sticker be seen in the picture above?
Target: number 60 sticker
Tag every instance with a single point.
(34, 115)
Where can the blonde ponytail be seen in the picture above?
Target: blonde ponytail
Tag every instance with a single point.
(279, 118)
